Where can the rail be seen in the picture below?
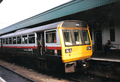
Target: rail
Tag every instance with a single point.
(24, 77)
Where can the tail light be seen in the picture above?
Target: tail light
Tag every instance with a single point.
(55, 51)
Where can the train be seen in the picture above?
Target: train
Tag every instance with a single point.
(61, 45)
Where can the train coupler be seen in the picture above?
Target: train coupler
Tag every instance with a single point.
(84, 63)
(70, 67)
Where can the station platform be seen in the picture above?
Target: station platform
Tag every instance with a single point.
(113, 56)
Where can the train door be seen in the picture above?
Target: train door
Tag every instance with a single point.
(1, 45)
(40, 42)
(41, 50)
(1, 53)
(98, 40)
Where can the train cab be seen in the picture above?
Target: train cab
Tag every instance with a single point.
(70, 43)
(76, 43)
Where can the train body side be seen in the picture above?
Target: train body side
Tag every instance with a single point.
(53, 49)
(45, 45)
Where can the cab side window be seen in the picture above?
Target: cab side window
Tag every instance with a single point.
(51, 37)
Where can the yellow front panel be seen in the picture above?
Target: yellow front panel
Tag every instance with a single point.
(78, 52)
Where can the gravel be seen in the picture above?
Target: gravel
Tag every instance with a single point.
(38, 77)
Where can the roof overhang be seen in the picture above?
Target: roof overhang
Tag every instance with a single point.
(1, 1)
(69, 8)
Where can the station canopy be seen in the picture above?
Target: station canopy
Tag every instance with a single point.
(66, 9)
(1, 1)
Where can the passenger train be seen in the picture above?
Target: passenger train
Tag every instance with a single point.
(61, 45)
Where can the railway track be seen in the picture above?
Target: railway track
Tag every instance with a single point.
(82, 76)
(97, 72)
(86, 77)
(8, 75)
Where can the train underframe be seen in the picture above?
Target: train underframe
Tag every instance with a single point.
(76, 66)
(46, 62)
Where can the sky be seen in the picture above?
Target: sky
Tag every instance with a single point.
(13, 11)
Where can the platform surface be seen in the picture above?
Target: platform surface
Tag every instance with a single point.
(113, 56)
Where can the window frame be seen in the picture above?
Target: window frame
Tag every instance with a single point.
(24, 40)
(0, 41)
(31, 36)
(10, 41)
(52, 40)
(4, 41)
(7, 41)
(73, 42)
(15, 40)
(20, 39)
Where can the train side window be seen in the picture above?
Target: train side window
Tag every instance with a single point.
(24, 39)
(6, 40)
(51, 37)
(18, 39)
(3, 41)
(10, 40)
(14, 40)
(31, 38)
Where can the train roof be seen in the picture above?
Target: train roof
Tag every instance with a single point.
(32, 30)
(45, 27)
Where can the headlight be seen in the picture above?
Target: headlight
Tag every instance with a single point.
(68, 50)
(88, 47)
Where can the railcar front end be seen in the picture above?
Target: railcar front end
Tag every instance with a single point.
(76, 45)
